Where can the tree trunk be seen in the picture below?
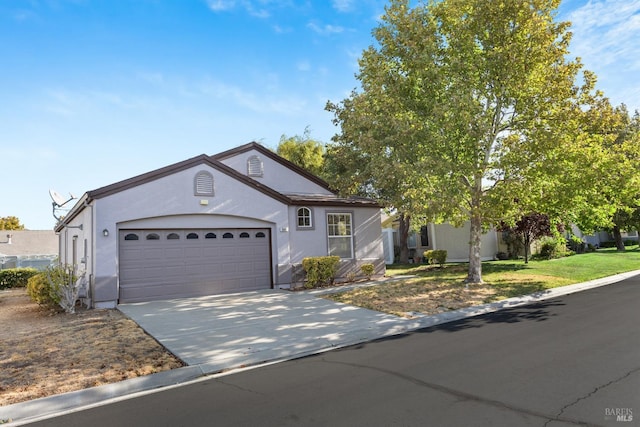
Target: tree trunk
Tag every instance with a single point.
(475, 263)
(617, 236)
(403, 234)
(527, 245)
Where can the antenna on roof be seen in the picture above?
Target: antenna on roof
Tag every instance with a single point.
(58, 201)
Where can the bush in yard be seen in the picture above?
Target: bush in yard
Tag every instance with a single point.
(438, 256)
(55, 285)
(40, 290)
(320, 270)
(553, 247)
(577, 245)
(16, 277)
(367, 270)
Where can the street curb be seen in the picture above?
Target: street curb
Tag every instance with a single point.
(47, 407)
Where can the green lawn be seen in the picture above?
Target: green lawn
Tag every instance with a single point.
(437, 289)
(513, 278)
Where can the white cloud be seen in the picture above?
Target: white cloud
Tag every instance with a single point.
(342, 5)
(608, 30)
(326, 29)
(606, 36)
(257, 8)
(278, 103)
(221, 5)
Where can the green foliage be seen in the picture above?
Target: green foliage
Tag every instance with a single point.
(16, 277)
(367, 270)
(576, 244)
(10, 223)
(320, 270)
(40, 290)
(465, 106)
(514, 243)
(553, 247)
(303, 151)
(52, 287)
(612, 244)
(437, 256)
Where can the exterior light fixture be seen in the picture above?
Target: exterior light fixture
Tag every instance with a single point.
(105, 232)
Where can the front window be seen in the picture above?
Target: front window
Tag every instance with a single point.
(304, 218)
(339, 232)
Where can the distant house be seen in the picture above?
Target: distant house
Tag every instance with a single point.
(237, 221)
(27, 248)
(455, 240)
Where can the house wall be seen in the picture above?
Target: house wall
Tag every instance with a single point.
(27, 248)
(77, 249)
(169, 202)
(455, 240)
(276, 176)
(313, 242)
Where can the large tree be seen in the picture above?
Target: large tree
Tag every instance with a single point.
(10, 223)
(303, 151)
(626, 149)
(610, 178)
(477, 97)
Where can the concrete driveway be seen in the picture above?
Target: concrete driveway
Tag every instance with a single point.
(221, 332)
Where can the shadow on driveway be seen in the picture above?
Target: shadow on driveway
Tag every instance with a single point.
(221, 332)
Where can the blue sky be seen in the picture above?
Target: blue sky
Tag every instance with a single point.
(94, 92)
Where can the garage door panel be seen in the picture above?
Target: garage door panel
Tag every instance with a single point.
(170, 268)
(191, 253)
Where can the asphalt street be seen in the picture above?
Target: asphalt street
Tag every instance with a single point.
(569, 361)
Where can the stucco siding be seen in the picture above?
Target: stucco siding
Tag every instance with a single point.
(166, 199)
(455, 240)
(169, 202)
(312, 242)
(275, 175)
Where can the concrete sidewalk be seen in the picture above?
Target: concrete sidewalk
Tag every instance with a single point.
(221, 332)
(216, 335)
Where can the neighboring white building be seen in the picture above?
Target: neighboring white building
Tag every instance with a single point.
(455, 240)
(237, 221)
(27, 248)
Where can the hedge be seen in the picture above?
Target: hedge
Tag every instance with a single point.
(16, 277)
(320, 270)
(436, 256)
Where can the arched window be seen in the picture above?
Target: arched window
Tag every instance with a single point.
(304, 218)
(131, 236)
(193, 236)
(203, 184)
(152, 236)
(227, 236)
(210, 236)
(260, 234)
(244, 235)
(254, 166)
(173, 236)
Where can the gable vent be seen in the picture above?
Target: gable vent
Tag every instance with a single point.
(254, 166)
(203, 184)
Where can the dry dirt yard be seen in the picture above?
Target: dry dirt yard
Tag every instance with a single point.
(44, 352)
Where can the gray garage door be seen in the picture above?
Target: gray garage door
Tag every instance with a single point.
(176, 263)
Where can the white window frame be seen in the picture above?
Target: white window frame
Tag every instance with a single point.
(347, 233)
(309, 217)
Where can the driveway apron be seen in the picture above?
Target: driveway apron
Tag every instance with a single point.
(221, 332)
